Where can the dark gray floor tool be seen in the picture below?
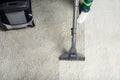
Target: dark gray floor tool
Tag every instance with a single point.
(72, 54)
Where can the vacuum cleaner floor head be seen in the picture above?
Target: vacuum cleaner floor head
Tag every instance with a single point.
(72, 57)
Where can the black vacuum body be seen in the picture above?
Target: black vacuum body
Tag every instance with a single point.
(16, 14)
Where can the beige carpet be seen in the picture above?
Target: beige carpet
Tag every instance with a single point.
(32, 53)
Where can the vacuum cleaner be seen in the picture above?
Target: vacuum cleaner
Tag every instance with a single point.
(73, 55)
(16, 14)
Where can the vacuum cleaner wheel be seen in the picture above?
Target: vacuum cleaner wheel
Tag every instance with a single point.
(32, 24)
(4, 28)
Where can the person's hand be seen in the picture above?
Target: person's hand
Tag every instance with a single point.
(82, 17)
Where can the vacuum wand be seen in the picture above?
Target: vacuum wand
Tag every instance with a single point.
(73, 55)
(74, 28)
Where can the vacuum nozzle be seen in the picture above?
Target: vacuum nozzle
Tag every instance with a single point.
(72, 57)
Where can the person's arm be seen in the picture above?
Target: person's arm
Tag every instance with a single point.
(85, 8)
